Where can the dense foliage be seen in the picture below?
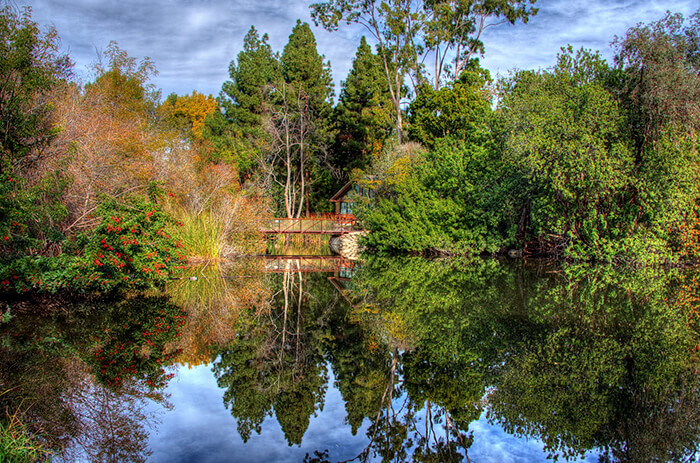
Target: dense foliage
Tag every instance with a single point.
(96, 177)
(585, 160)
(582, 161)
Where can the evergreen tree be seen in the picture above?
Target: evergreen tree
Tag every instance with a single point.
(363, 115)
(304, 68)
(298, 115)
(243, 96)
(238, 133)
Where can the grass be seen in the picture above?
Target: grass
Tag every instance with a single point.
(203, 235)
(17, 445)
(227, 228)
(299, 245)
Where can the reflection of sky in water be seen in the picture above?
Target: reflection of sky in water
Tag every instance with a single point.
(200, 429)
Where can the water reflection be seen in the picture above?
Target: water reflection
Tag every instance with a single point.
(589, 361)
(582, 358)
(81, 375)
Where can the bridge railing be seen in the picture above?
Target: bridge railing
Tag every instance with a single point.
(330, 225)
(308, 264)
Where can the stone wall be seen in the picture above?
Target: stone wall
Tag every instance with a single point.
(347, 245)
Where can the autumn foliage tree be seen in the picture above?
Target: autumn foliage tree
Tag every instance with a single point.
(189, 112)
(100, 161)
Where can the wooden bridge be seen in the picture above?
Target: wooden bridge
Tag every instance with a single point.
(330, 224)
(309, 264)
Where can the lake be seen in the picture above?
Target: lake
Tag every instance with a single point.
(392, 359)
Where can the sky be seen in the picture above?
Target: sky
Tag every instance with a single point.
(200, 428)
(192, 42)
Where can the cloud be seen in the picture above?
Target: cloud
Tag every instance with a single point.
(592, 24)
(193, 41)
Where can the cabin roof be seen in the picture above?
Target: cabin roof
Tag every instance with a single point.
(338, 197)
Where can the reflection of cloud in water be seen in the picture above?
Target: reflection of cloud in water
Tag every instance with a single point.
(491, 443)
(201, 429)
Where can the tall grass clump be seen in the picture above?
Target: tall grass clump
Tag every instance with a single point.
(222, 228)
(17, 445)
(299, 245)
(203, 234)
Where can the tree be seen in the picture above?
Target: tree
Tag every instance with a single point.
(31, 69)
(660, 87)
(297, 120)
(189, 112)
(659, 90)
(562, 128)
(394, 25)
(109, 136)
(460, 111)
(453, 31)
(30, 66)
(363, 114)
(454, 197)
(239, 134)
(303, 67)
(124, 83)
(406, 30)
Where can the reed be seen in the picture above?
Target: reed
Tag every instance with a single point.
(203, 234)
(299, 245)
(17, 445)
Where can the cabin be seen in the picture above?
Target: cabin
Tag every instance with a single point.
(343, 198)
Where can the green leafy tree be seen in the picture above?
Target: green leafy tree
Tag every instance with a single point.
(30, 69)
(660, 92)
(455, 197)
(453, 29)
(30, 66)
(460, 111)
(563, 129)
(660, 88)
(303, 67)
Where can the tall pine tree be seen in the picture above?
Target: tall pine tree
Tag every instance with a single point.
(238, 133)
(362, 117)
(304, 68)
(298, 122)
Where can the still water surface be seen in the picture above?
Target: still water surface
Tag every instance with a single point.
(394, 360)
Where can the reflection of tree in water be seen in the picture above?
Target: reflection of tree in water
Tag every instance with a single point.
(582, 358)
(613, 369)
(111, 424)
(214, 294)
(82, 374)
(276, 364)
(432, 385)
